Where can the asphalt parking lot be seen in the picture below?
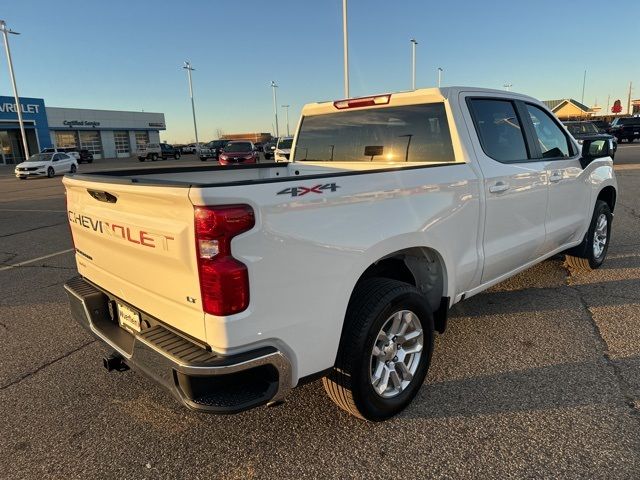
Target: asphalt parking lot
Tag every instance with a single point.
(537, 378)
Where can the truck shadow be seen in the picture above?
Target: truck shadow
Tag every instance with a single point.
(550, 387)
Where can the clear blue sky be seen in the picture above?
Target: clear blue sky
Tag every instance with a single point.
(126, 55)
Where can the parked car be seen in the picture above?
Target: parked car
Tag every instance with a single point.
(342, 263)
(238, 153)
(167, 151)
(587, 130)
(283, 149)
(73, 151)
(268, 148)
(625, 128)
(191, 148)
(85, 156)
(601, 125)
(46, 165)
(149, 151)
(212, 149)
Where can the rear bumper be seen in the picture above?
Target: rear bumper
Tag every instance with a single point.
(200, 379)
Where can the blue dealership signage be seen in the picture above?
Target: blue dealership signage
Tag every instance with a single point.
(34, 115)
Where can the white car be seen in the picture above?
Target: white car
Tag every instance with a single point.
(231, 285)
(46, 165)
(283, 149)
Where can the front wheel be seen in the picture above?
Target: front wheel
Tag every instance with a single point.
(590, 254)
(50, 172)
(154, 157)
(384, 352)
(177, 156)
(73, 168)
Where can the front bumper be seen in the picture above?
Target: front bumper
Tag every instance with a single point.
(200, 379)
(35, 173)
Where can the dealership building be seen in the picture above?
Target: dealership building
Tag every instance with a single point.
(105, 133)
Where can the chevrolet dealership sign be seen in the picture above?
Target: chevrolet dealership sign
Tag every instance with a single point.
(26, 108)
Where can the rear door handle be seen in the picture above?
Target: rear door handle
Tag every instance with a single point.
(499, 187)
(555, 177)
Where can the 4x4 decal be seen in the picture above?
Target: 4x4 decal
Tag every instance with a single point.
(301, 190)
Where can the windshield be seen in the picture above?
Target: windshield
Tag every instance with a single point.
(285, 143)
(238, 147)
(586, 128)
(413, 133)
(40, 157)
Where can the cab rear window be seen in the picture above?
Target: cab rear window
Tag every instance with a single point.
(413, 133)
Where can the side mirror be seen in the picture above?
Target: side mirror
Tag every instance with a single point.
(596, 148)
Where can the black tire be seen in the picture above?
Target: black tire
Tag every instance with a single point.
(371, 305)
(154, 157)
(630, 139)
(22, 178)
(51, 172)
(73, 168)
(203, 159)
(141, 159)
(177, 156)
(90, 160)
(582, 258)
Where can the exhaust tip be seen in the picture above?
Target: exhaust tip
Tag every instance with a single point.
(114, 362)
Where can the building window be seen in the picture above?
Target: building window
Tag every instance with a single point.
(122, 142)
(142, 138)
(91, 141)
(66, 139)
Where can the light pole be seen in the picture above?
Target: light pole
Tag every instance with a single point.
(507, 86)
(286, 107)
(187, 66)
(440, 70)
(345, 47)
(413, 63)
(275, 106)
(5, 32)
(584, 81)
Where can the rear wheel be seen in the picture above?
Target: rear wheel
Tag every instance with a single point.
(142, 159)
(384, 352)
(73, 168)
(154, 157)
(177, 156)
(590, 254)
(50, 172)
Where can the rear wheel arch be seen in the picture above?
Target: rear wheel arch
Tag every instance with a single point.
(422, 267)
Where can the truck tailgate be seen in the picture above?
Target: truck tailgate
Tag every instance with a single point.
(137, 242)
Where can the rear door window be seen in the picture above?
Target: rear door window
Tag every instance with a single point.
(499, 129)
(413, 133)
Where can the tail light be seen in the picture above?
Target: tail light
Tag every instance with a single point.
(224, 281)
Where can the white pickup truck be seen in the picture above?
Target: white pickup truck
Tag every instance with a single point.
(232, 285)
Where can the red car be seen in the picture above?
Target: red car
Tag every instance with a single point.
(235, 153)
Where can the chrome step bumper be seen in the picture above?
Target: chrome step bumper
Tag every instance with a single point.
(199, 378)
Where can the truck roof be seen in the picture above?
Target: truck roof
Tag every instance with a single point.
(410, 97)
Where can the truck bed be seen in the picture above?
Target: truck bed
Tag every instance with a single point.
(229, 175)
